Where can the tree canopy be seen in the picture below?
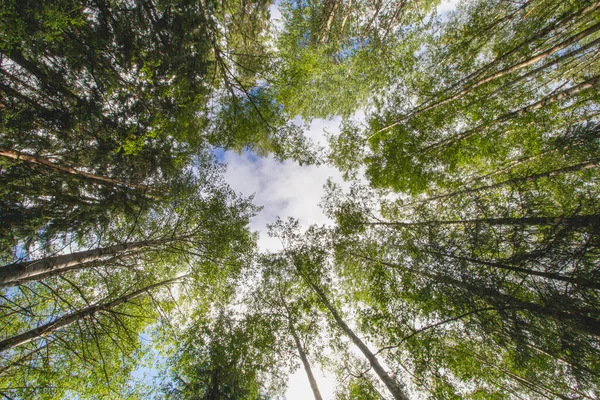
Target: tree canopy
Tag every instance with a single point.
(461, 261)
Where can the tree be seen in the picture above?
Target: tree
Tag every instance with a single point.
(507, 293)
(224, 358)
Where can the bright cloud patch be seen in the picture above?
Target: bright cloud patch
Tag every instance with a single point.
(285, 189)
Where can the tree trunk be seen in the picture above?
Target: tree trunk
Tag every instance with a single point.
(16, 155)
(590, 83)
(582, 49)
(589, 31)
(561, 21)
(68, 319)
(592, 220)
(515, 67)
(547, 275)
(571, 168)
(575, 317)
(309, 374)
(12, 274)
(389, 382)
(301, 352)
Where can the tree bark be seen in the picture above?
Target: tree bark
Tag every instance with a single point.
(528, 271)
(17, 155)
(575, 317)
(571, 168)
(12, 274)
(393, 386)
(591, 220)
(306, 364)
(68, 319)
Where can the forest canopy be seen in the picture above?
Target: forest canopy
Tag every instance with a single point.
(462, 257)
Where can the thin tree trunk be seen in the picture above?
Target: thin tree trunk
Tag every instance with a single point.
(507, 70)
(17, 155)
(578, 318)
(11, 274)
(589, 84)
(329, 22)
(557, 60)
(515, 67)
(389, 382)
(591, 220)
(311, 378)
(309, 374)
(547, 275)
(561, 21)
(68, 319)
(571, 168)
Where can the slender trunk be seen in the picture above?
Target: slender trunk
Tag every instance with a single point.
(577, 318)
(561, 21)
(11, 274)
(55, 272)
(547, 275)
(515, 67)
(346, 16)
(328, 23)
(311, 378)
(508, 165)
(309, 374)
(68, 319)
(389, 382)
(582, 49)
(16, 155)
(590, 83)
(530, 178)
(591, 220)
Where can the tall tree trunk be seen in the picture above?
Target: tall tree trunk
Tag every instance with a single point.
(592, 220)
(574, 316)
(11, 274)
(311, 378)
(561, 21)
(17, 155)
(529, 178)
(389, 382)
(557, 60)
(515, 67)
(576, 89)
(304, 358)
(528, 271)
(68, 319)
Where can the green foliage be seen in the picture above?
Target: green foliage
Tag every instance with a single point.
(466, 265)
(224, 359)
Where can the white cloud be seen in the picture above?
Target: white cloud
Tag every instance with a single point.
(284, 189)
(447, 6)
